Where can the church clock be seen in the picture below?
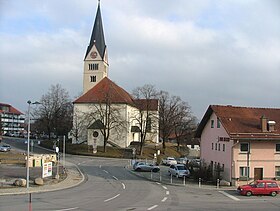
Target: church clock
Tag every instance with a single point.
(93, 54)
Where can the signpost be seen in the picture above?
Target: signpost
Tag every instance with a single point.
(57, 163)
(47, 169)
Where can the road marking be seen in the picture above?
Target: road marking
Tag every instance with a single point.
(152, 207)
(100, 166)
(79, 164)
(167, 192)
(164, 199)
(111, 198)
(115, 178)
(106, 171)
(158, 183)
(123, 186)
(230, 196)
(74, 208)
(164, 187)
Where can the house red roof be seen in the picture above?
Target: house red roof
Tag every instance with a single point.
(104, 90)
(147, 104)
(6, 108)
(243, 122)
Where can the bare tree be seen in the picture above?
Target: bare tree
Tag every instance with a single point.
(146, 117)
(174, 115)
(108, 114)
(54, 114)
(184, 129)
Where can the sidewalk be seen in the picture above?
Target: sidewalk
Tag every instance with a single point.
(74, 177)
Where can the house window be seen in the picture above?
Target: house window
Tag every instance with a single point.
(215, 146)
(212, 146)
(212, 123)
(243, 171)
(224, 147)
(219, 147)
(277, 171)
(218, 123)
(93, 66)
(92, 78)
(277, 147)
(149, 125)
(244, 147)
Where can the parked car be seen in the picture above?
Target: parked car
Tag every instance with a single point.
(194, 162)
(143, 166)
(169, 161)
(179, 170)
(181, 160)
(260, 187)
(5, 148)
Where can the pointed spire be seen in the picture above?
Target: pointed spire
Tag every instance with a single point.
(97, 36)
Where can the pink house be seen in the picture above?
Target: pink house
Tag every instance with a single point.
(243, 141)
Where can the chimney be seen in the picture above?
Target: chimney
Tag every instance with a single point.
(271, 125)
(263, 123)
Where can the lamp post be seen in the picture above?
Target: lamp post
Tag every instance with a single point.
(28, 149)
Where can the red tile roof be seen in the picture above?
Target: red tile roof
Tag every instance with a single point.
(243, 122)
(10, 109)
(103, 90)
(147, 104)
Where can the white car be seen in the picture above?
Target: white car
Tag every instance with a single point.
(169, 161)
(179, 170)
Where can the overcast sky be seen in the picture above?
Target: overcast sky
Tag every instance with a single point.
(205, 51)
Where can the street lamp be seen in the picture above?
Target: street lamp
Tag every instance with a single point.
(28, 142)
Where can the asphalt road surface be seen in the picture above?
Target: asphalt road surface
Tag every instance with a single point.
(111, 186)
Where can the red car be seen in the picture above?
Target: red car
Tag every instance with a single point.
(260, 187)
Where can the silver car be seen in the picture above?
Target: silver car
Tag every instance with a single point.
(143, 166)
(179, 170)
(5, 148)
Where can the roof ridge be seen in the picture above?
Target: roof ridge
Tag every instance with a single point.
(249, 107)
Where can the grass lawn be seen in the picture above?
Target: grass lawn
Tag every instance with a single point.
(148, 152)
(12, 157)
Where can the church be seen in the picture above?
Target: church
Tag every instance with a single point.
(106, 114)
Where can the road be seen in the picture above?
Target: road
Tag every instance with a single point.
(111, 186)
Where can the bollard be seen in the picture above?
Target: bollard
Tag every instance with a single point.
(218, 183)
(184, 180)
(151, 174)
(160, 176)
(199, 182)
(171, 178)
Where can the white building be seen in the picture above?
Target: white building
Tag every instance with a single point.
(102, 97)
(12, 120)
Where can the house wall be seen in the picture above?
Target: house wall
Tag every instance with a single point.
(262, 155)
(120, 136)
(210, 150)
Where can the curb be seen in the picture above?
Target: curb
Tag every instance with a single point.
(203, 187)
(49, 188)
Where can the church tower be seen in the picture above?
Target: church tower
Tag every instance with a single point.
(96, 58)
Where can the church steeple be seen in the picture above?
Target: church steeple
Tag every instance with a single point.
(97, 35)
(96, 58)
